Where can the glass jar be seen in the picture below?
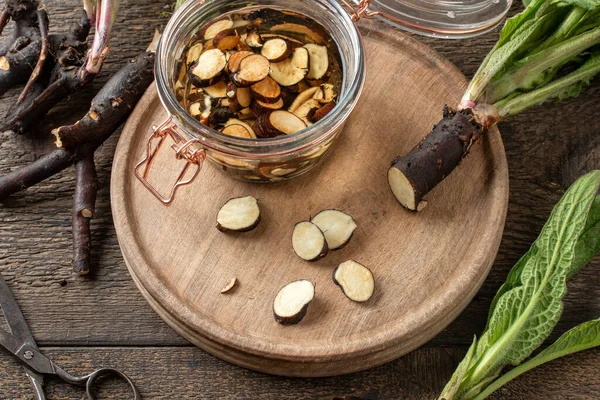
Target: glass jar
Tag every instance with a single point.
(257, 160)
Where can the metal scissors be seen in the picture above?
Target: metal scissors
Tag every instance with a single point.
(21, 344)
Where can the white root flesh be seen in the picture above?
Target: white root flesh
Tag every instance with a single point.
(303, 97)
(338, 227)
(217, 91)
(291, 303)
(325, 93)
(240, 214)
(319, 61)
(292, 70)
(285, 122)
(308, 241)
(305, 109)
(275, 50)
(252, 69)
(355, 280)
(209, 65)
(217, 27)
(194, 53)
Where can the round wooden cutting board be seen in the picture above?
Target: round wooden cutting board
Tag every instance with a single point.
(427, 265)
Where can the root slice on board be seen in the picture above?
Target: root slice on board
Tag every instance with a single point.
(338, 227)
(291, 303)
(308, 241)
(240, 214)
(230, 286)
(355, 280)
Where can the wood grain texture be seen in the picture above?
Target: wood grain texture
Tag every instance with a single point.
(190, 373)
(547, 148)
(427, 266)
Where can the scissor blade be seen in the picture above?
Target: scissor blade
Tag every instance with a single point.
(12, 313)
(18, 326)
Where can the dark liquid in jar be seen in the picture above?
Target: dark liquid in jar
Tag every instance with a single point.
(260, 74)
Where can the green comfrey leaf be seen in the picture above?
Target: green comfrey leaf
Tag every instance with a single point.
(582, 337)
(524, 316)
(453, 385)
(588, 244)
(587, 4)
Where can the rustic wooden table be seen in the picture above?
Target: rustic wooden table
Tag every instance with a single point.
(84, 323)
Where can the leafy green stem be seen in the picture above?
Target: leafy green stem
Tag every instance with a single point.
(582, 337)
(554, 90)
(534, 69)
(572, 20)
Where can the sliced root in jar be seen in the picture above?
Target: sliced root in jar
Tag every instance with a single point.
(291, 303)
(299, 30)
(355, 280)
(306, 110)
(230, 286)
(226, 39)
(285, 122)
(302, 98)
(276, 50)
(240, 97)
(267, 90)
(240, 214)
(254, 40)
(322, 112)
(309, 241)
(220, 115)
(319, 61)
(208, 68)
(233, 64)
(217, 27)
(260, 107)
(194, 53)
(338, 227)
(325, 93)
(217, 91)
(292, 70)
(239, 128)
(252, 69)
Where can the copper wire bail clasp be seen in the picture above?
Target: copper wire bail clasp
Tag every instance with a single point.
(184, 149)
(359, 10)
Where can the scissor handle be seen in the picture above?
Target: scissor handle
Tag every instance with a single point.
(89, 380)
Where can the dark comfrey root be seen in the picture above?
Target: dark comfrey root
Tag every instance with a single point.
(413, 175)
(77, 143)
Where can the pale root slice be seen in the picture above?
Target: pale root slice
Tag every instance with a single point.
(207, 68)
(325, 93)
(266, 90)
(252, 69)
(285, 122)
(233, 64)
(323, 111)
(237, 122)
(217, 91)
(276, 50)
(240, 97)
(306, 109)
(303, 97)
(308, 241)
(294, 42)
(240, 214)
(226, 39)
(338, 227)
(292, 300)
(230, 286)
(217, 27)
(254, 40)
(355, 280)
(292, 70)
(240, 131)
(194, 53)
(319, 61)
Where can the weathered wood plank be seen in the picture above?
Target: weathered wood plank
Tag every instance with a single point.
(189, 373)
